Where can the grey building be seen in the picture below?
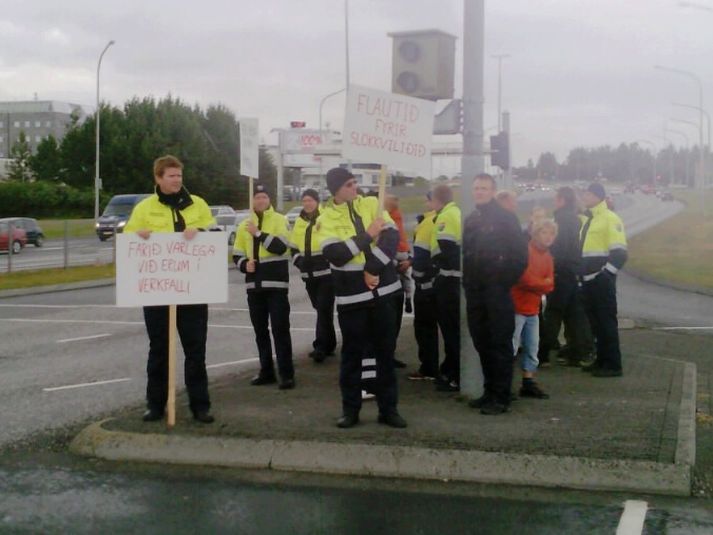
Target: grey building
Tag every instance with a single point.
(38, 119)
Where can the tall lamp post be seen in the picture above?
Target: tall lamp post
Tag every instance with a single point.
(321, 104)
(98, 116)
(500, 58)
(699, 183)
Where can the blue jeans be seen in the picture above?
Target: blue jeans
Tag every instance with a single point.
(527, 331)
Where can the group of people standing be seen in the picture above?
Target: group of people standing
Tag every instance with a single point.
(353, 254)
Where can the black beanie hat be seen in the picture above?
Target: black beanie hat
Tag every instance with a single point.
(310, 193)
(260, 188)
(597, 189)
(336, 178)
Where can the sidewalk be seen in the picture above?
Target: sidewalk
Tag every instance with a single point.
(633, 433)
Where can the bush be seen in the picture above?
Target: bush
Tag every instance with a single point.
(44, 199)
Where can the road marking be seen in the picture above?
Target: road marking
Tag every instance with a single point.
(82, 385)
(683, 328)
(92, 337)
(221, 364)
(632, 519)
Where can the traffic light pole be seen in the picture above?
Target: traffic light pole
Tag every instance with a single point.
(472, 162)
(507, 173)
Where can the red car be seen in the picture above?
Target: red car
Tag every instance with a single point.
(19, 238)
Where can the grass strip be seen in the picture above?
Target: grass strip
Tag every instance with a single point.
(50, 276)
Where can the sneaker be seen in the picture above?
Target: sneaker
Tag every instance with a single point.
(493, 408)
(418, 376)
(532, 390)
(606, 372)
(451, 386)
(366, 396)
(479, 402)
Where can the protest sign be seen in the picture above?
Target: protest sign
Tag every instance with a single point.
(249, 147)
(389, 129)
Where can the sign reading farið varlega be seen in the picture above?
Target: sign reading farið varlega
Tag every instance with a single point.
(167, 269)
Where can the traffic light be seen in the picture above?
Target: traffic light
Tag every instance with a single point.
(423, 64)
(500, 150)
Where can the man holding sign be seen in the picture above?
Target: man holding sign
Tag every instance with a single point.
(172, 209)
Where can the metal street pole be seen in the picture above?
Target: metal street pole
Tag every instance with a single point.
(471, 162)
(98, 119)
(346, 50)
(321, 104)
(500, 58)
(705, 114)
(701, 176)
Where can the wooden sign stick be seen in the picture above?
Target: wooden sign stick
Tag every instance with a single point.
(171, 403)
(250, 201)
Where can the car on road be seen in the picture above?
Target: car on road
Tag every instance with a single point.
(666, 196)
(32, 229)
(116, 214)
(228, 219)
(19, 238)
(293, 214)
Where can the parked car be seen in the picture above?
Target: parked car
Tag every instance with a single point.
(34, 233)
(19, 237)
(116, 214)
(228, 219)
(293, 214)
(667, 196)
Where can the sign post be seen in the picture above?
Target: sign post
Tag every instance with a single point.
(250, 158)
(168, 270)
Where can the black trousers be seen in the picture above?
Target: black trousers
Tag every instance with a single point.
(192, 326)
(272, 308)
(399, 310)
(564, 305)
(491, 322)
(599, 297)
(373, 327)
(425, 327)
(321, 295)
(447, 290)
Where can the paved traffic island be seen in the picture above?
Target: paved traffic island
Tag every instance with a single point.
(634, 433)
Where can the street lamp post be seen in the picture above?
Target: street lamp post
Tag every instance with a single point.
(500, 58)
(321, 104)
(699, 183)
(705, 114)
(98, 119)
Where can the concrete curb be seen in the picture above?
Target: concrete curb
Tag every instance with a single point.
(686, 439)
(34, 290)
(387, 461)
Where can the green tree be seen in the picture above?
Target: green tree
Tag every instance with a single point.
(46, 164)
(20, 154)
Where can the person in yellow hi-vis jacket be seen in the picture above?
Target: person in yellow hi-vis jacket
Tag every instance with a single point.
(604, 253)
(308, 258)
(360, 244)
(260, 252)
(446, 241)
(172, 209)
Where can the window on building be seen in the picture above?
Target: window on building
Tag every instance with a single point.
(2, 124)
(16, 124)
(27, 124)
(48, 124)
(38, 139)
(38, 124)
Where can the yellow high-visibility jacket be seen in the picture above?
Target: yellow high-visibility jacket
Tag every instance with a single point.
(446, 240)
(603, 242)
(423, 271)
(155, 216)
(305, 249)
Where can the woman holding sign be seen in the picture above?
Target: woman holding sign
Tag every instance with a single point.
(172, 209)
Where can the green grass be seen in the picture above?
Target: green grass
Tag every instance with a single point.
(42, 277)
(680, 249)
(77, 228)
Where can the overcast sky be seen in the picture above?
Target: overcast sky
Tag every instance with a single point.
(580, 72)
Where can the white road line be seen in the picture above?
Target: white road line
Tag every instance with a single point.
(82, 385)
(632, 519)
(683, 328)
(92, 337)
(234, 362)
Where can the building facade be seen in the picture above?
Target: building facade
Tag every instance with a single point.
(38, 119)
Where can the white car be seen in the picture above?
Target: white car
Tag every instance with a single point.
(228, 219)
(293, 214)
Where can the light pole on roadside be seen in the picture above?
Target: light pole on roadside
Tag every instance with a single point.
(705, 114)
(700, 180)
(97, 120)
(321, 104)
(500, 58)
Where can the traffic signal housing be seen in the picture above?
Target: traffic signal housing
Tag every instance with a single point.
(500, 150)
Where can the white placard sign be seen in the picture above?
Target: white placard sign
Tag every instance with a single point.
(388, 129)
(167, 269)
(249, 147)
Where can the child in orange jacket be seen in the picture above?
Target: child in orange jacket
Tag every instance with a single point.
(537, 281)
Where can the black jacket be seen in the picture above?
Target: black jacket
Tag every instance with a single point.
(566, 249)
(494, 248)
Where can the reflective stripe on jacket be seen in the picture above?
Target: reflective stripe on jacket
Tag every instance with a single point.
(268, 249)
(603, 242)
(351, 252)
(309, 260)
(446, 241)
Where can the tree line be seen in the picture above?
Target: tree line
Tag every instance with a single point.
(132, 137)
(628, 162)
